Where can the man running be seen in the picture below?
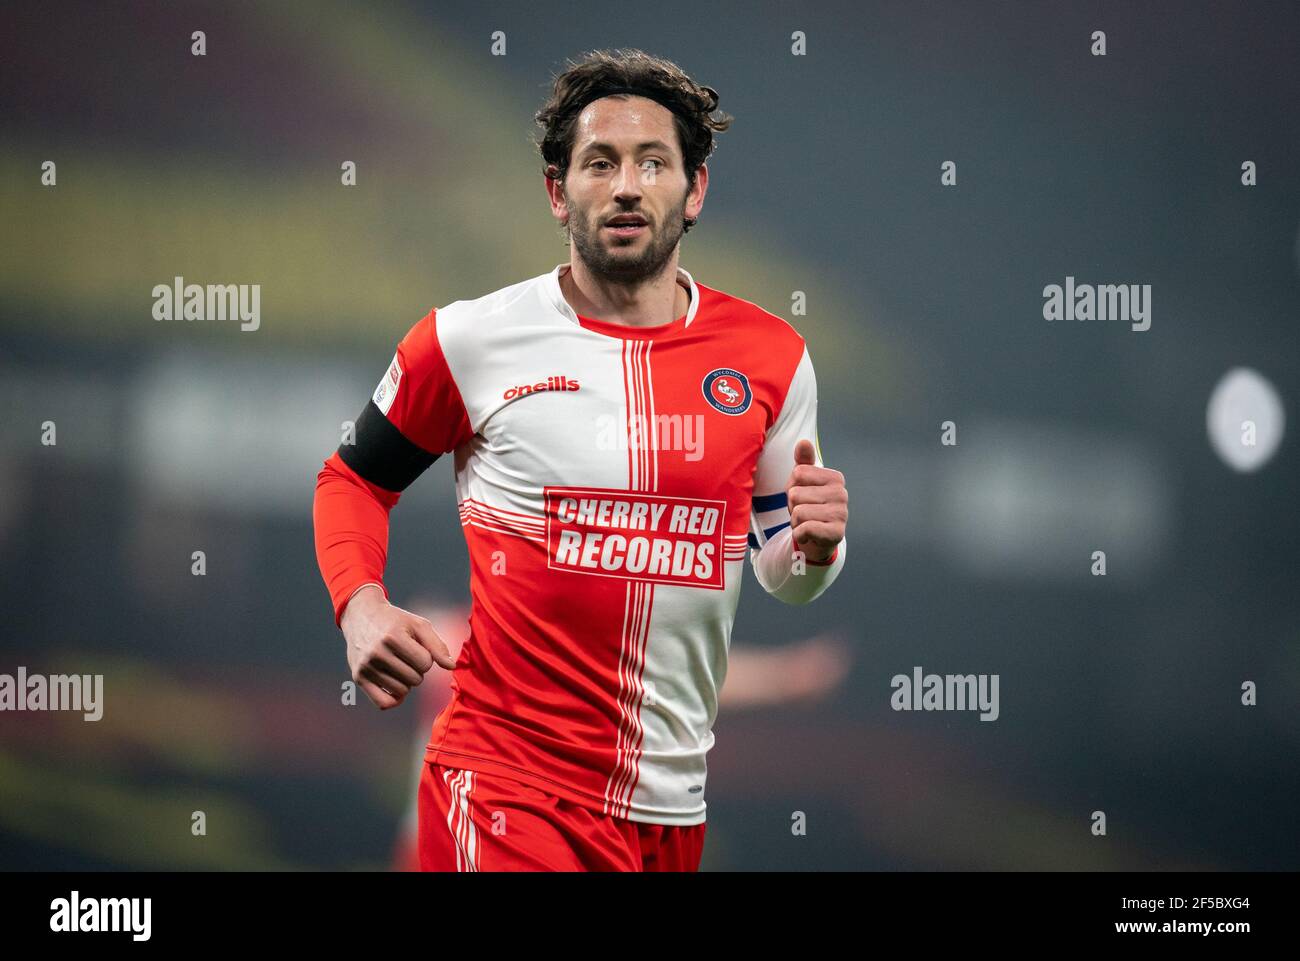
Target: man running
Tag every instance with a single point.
(622, 437)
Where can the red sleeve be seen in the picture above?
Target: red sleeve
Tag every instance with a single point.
(420, 396)
(360, 484)
(350, 516)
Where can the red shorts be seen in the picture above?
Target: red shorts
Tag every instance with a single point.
(470, 821)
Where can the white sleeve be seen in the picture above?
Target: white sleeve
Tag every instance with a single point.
(770, 541)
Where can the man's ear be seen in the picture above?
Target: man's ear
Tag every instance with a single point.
(695, 196)
(555, 194)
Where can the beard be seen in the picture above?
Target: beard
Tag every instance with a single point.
(618, 260)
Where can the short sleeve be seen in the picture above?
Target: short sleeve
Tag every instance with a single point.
(418, 394)
(415, 414)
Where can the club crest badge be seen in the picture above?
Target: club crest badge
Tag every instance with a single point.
(727, 390)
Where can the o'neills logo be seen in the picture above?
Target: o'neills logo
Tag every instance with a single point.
(554, 382)
(645, 537)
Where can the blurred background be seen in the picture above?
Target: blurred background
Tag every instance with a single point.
(1118, 693)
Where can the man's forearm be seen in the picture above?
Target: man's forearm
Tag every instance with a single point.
(350, 517)
(791, 579)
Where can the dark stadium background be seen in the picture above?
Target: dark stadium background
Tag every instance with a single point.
(1119, 693)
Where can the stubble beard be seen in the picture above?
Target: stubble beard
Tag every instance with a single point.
(613, 260)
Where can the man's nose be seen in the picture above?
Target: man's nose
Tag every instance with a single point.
(628, 183)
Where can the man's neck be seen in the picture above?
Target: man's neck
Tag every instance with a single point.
(659, 300)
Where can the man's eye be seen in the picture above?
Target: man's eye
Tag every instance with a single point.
(606, 163)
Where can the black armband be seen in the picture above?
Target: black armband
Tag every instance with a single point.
(382, 454)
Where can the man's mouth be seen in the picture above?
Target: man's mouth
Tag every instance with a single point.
(626, 225)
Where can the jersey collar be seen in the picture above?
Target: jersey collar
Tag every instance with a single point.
(556, 296)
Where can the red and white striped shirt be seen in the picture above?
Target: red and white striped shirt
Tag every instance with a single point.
(611, 481)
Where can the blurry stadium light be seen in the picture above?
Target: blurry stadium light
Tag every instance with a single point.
(247, 433)
(1021, 501)
(1245, 419)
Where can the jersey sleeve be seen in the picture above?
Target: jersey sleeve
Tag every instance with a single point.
(415, 415)
(772, 550)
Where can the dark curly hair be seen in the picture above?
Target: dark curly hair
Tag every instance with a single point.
(692, 105)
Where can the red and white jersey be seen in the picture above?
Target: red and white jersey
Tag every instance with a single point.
(611, 481)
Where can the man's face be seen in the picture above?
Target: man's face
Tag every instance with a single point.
(627, 167)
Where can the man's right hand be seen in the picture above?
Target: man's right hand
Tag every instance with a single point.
(389, 649)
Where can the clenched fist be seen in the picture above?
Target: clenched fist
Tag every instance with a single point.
(819, 505)
(389, 649)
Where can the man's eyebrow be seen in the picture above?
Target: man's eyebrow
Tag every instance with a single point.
(645, 145)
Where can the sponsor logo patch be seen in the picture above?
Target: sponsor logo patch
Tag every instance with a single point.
(387, 389)
(639, 536)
